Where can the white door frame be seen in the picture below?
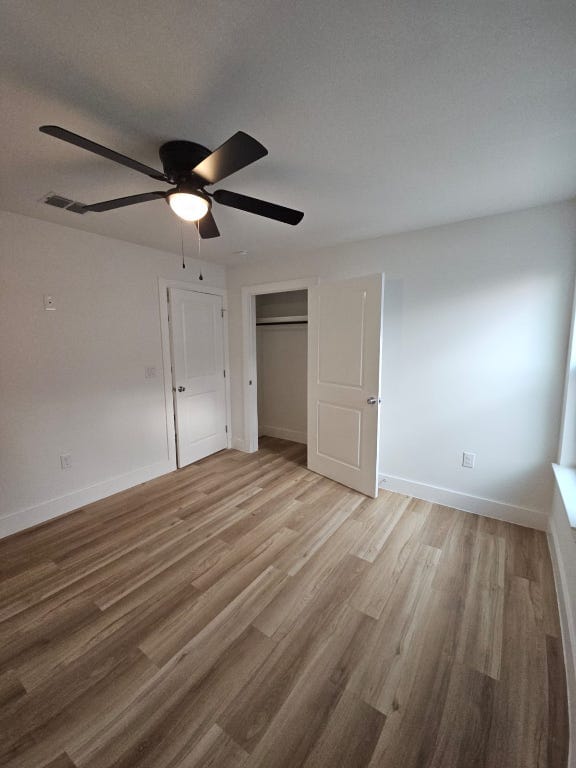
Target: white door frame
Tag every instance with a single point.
(249, 362)
(163, 286)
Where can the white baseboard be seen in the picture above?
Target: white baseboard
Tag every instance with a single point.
(26, 518)
(283, 434)
(530, 518)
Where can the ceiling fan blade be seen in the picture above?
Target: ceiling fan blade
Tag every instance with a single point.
(98, 149)
(207, 226)
(239, 151)
(121, 202)
(259, 207)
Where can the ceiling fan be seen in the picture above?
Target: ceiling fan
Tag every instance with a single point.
(190, 167)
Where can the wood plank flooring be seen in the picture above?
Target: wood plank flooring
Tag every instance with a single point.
(246, 612)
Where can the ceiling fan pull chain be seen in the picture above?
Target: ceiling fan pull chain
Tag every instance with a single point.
(200, 276)
(182, 245)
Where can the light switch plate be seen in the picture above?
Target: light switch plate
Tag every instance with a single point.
(468, 459)
(66, 461)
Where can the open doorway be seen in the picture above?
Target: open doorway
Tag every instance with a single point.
(344, 330)
(281, 365)
(250, 331)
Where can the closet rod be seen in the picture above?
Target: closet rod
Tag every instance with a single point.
(286, 322)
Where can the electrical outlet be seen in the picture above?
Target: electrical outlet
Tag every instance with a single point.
(150, 372)
(468, 459)
(66, 461)
(49, 302)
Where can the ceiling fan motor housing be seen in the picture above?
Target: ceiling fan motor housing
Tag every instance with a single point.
(179, 158)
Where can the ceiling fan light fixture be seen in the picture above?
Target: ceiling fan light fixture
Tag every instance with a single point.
(188, 205)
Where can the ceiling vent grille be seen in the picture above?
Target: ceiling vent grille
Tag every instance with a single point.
(57, 201)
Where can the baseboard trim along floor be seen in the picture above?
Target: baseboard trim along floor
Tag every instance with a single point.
(47, 510)
(531, 518)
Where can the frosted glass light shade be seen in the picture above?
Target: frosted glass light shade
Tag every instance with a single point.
(188, 206)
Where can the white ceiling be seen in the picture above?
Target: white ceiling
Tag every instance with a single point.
(379, 116)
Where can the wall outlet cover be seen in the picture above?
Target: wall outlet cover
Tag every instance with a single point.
(468, 459)
(49, 303)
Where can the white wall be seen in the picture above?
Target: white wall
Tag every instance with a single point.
(476, 324)
(73, 380)
(282, 352)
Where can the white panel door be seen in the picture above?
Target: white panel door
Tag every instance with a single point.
(344, 339)
(197, 345)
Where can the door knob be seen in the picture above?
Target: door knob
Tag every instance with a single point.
(181, 389)
(373, 400)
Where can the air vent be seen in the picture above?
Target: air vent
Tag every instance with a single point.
(57, 201)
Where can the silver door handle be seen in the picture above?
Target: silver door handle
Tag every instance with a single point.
(373, 400)
(181, 389)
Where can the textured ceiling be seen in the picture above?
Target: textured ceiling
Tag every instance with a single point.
(379, 116)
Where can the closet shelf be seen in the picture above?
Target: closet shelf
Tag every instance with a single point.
(287, 320)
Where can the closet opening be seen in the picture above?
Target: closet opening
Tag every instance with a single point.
(282, 365)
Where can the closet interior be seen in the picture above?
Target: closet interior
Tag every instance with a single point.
(282, 364)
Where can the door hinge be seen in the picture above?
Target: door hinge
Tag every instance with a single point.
(224, 372)
(226, 428)
(222, 314)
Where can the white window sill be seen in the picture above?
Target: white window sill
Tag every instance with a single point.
(566, 482)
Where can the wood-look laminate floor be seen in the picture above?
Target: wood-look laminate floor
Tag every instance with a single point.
(246, 612)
